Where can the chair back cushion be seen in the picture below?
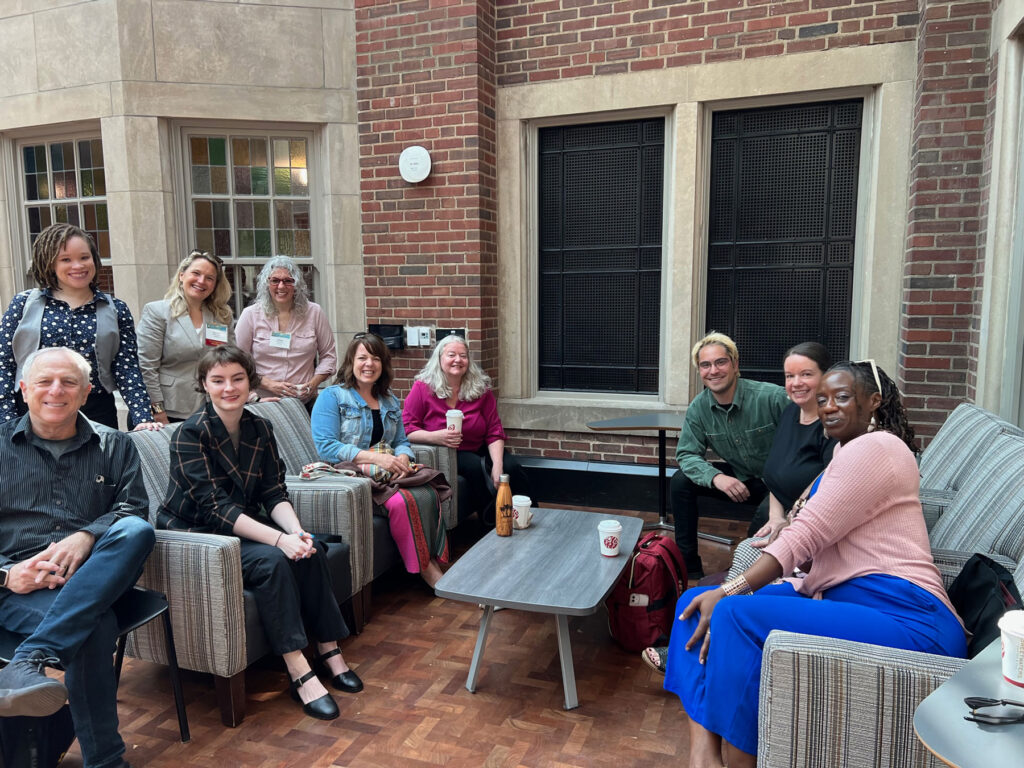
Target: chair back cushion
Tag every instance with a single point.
(155, 453)
(987, 514)
(961, 443)
(292, 431)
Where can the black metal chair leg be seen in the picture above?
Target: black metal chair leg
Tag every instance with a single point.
(119, 658)
(172, 663)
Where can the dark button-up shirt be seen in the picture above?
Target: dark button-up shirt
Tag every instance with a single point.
(740, 432)
(96, 481)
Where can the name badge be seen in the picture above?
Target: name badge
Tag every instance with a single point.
(216, 335)
(280, 339)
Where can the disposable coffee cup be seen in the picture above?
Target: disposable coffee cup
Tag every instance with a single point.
(522, 512)
(453, 420)
(1011, 628)
(610, 532)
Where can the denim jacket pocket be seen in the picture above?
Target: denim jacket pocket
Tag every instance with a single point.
(351, 424)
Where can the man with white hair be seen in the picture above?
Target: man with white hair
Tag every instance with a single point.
(73, 539)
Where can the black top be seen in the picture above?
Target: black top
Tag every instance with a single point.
(93, 483)
(798, 455)
(378, 427)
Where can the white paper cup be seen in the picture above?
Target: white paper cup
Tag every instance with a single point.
(453, 420)
(1011, 627)
(609, 531)
(521, 511)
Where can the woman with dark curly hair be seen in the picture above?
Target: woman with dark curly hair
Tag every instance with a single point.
(862, 544)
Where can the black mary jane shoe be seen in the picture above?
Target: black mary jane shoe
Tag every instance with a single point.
(324, 708)
(347, 682)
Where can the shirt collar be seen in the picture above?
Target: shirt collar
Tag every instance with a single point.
(84, 431)
(737, 399)
(97, 295)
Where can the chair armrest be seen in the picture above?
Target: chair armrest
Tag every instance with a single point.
(834, 702)
(934, 502)
(336, 505)
(951, 561)
(445, 460)
(201, 574)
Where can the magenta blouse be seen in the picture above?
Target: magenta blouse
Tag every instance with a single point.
(480, 423)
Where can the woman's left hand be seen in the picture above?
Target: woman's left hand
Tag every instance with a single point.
(496, 472)
(148, 426)
(705, 603)
(774, 529)
(403, 460)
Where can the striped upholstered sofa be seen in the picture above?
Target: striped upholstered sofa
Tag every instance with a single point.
(372, 544)
(834, 702)
(215, 621)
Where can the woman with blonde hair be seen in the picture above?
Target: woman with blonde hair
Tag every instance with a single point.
(451, 380)
(194, 315)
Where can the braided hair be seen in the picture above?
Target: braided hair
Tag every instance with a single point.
(891, 414)
(47, 246)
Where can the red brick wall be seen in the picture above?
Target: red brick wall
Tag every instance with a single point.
(425, 75)
(942, 276)
(548, 39)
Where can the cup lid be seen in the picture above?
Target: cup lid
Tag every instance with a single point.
(609, 525)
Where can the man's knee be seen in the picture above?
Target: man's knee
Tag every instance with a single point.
(134, 532)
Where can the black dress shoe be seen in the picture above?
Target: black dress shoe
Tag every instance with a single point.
(26, 690)
(324, 708)
(348, 682)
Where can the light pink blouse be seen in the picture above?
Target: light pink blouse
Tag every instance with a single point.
(311, 351)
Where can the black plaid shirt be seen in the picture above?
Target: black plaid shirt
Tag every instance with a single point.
(96, 481)
(212, 484)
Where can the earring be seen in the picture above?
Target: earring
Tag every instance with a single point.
(872, 425)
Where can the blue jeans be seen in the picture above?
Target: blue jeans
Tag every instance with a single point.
(75, 623)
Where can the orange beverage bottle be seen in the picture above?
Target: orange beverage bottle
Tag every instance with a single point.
(503, 508)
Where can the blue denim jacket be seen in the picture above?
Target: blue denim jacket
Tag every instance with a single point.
(342, 424)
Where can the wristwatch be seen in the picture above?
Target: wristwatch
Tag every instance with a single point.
(5, 572)
(158, 408)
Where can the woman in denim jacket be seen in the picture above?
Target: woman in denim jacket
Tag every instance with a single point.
(352, 422)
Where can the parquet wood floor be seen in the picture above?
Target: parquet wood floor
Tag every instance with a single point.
(415, 711)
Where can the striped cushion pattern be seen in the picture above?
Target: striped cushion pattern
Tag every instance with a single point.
(960, 445)
(201, 574)
(827, 702)
(155, 453)
(292, 431)
(988, 510)
(444, 460)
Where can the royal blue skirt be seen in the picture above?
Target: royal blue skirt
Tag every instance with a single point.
(722, 693)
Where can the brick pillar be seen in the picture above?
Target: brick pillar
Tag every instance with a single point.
(425, 75)
(942, 272)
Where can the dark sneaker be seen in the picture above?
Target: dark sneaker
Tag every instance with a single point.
(25, 690)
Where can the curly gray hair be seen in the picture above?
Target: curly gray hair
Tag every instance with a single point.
(474, 382)
(263, 298)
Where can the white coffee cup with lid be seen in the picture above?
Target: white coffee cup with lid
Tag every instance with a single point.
(522, 512)
(453, 420)
(610, 532)
(1011, 628)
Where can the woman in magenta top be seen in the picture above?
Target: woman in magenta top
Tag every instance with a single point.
(451, 380)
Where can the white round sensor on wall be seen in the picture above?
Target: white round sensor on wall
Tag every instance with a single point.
(414, 164)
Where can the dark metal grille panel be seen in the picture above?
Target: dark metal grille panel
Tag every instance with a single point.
(782, 219)
(600, 213)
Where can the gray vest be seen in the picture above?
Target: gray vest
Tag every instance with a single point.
(108, 336)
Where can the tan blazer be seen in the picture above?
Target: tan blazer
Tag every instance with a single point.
(169, 350)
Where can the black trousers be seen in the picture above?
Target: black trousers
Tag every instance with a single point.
(477, 492)
(684, 494)
(292, 594)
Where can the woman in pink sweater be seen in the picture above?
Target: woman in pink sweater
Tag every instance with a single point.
(862, 540)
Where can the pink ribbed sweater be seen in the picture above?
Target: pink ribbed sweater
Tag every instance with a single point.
(865, 518)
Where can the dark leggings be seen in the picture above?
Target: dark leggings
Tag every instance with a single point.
(477, 492)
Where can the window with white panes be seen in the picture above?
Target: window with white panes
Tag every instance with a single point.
(249, 200)
(63, 181)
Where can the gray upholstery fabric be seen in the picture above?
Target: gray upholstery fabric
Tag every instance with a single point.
(827, 702)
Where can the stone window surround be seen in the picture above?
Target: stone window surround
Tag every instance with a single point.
(182, 130)
(883, 75)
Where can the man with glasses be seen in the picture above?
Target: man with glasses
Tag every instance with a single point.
(735, 418)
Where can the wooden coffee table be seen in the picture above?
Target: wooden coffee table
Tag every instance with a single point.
(554, 566)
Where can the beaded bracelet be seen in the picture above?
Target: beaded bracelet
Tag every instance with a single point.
(737, 586)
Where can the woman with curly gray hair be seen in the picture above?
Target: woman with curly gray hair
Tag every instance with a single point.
(452, 380)
(287, 334)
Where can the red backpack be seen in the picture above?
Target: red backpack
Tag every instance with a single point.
(642, 604)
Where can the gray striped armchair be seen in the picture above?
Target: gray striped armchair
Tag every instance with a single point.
(215, 621)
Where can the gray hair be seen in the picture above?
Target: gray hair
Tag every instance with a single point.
(263, 299)
(474, 382)
(84, 369)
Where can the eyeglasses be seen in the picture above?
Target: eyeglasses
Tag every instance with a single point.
(874, 371)
(367, 335)
(195, 253)
(281, 281)
(974, 703)
(706, 365)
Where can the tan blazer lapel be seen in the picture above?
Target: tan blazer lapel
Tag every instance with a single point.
(188, 331)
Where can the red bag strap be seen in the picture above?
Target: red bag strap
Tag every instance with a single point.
(668, 552)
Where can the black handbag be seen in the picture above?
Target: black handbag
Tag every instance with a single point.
(36, 742)
(981, 593)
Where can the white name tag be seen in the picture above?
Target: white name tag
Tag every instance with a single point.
(216, 335)
(280, 339)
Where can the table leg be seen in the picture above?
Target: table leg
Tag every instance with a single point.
(662, 524)
(565, 657)
(481, 641)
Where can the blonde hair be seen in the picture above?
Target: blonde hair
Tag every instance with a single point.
(474, 381)
(218, 302)
(722, 341)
